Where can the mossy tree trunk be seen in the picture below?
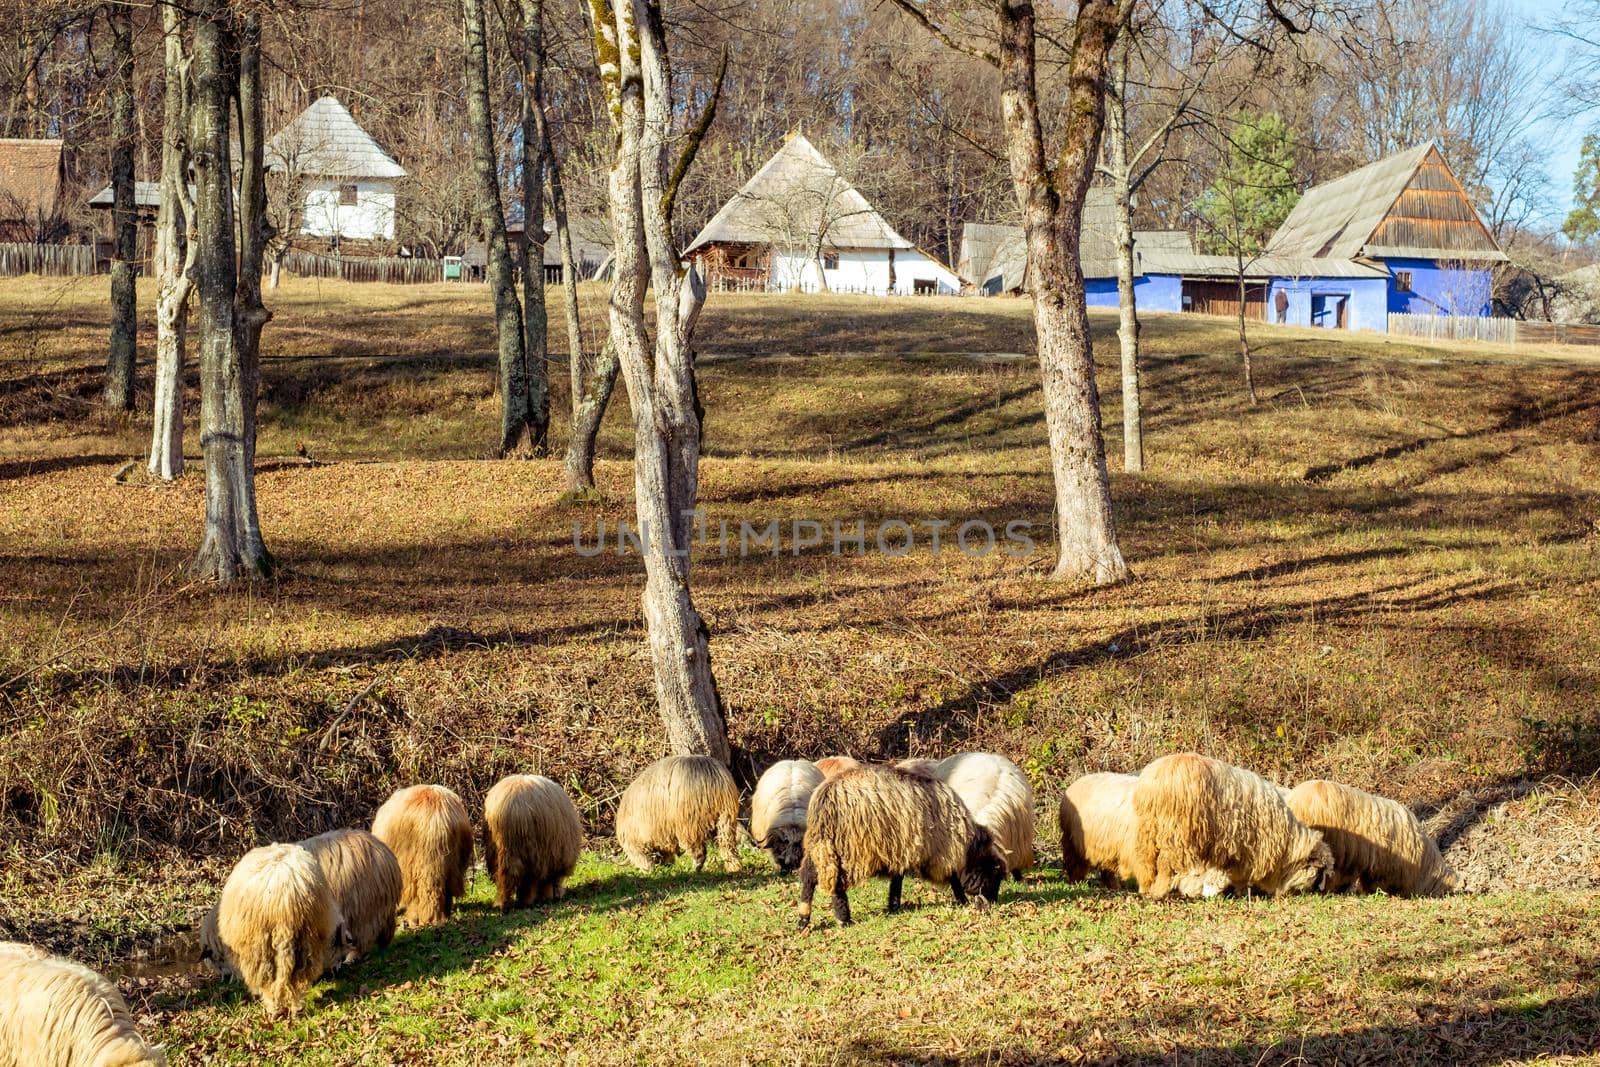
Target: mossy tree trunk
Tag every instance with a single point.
(123, 347)
(174, 258)
(534, 314)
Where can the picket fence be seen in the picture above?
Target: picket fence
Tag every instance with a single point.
(56, 261)
(399, 270)
(1454, 328)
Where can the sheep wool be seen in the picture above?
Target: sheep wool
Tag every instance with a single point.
(675, 806)
(1202, 824)
(364, 878)
(1097, 828)
(881, 820)
(832, 765)
(275, 924)
(1377, 843)
(428, 830)
(55, 1013)
(1001, 801)
(778, 810)
(532, 835)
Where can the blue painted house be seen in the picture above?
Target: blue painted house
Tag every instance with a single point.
(1409, 217)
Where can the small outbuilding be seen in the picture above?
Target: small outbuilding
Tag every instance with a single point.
(345, 184)
(800, 224)
(32, 173)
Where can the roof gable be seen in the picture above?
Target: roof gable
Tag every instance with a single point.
(794, 197)
(30, 177)
(1408, 204)
(325, 141)
(991, 251)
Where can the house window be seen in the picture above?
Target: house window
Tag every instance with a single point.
(830, 261)
(347, 196)
(1402, 281)
(924, 287)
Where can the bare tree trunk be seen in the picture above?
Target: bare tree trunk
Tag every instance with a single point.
(172, 266)
(231, 315)
(1052, 212)
(516, 436)
(1127, 309)
(592, 380)
(1244, 340)
(534, 314)
(123, 348)
(630, 47)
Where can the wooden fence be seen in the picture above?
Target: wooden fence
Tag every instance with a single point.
(1456, 328)
(399, 270)
(57, 261)
(1557, 333)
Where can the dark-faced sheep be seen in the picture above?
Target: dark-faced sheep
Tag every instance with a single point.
(778, 810)
(532, 835)
(1097, 828)
(429, 832)
(1001, 801)
(1203, 826)
(1377, 843)
(364, 877)
(55, 1013)
(274, 926)
(676, 805)
(882, 821)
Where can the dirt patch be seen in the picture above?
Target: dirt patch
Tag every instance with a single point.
(1529, 836)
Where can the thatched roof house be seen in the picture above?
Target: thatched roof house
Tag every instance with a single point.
(345, 181)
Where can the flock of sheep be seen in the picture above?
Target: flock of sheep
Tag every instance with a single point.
(1187, 825)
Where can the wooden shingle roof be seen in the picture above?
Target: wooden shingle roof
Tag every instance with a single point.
(30, 177)
(325, 141)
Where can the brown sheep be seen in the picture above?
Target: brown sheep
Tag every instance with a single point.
(1000, 798)
(274, 926)
(365, 880)
(532, 835)
(1097, 828)
(919, 765)
(778, 810)
(1377, 843)
(55, 1013)
(1203, 825)
(874, 820)
(832, 765)
(676, 805)
(428, 830)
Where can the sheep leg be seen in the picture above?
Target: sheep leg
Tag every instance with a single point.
(699, 852)
(808, 889)
(841, 902)
(956, 890)
(895, 884)
(525, 889)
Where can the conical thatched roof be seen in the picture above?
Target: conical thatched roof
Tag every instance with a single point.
(796, 195)
(1406, 205)
(325, 141)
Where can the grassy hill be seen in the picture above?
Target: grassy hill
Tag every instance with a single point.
(1385, 572)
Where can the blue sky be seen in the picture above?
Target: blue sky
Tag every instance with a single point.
(1563, 136)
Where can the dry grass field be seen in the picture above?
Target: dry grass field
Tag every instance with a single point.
(1385, 572)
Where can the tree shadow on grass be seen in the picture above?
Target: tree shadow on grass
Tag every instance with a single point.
(1566, 1027)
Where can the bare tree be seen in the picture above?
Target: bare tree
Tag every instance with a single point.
(123, 349)
(631, 51)
(174, 260)
(225, 65)
(534, 315)
(1050, 196)
(515, 411)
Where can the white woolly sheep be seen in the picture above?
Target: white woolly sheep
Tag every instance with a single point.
(778, 810)
(428, 830)
(1202, 824)
(364, 878)
(274, 926)
(832, 765)
(1377, 843)
(532, 835)
(880, 820)
(55, 1013)
(1001, 801)
(919, 765)
(1097, 828)
(676, 805)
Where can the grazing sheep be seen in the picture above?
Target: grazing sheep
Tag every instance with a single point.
(1097, 828)
(364, 878)
(532, 835)
(429, 832)
(674, 806)
(832, 765)
(879, 820)
(1377, 843)
(1001, 801)
(274, 926)
(778, 810)
(1203, 825)
(55, 1013)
